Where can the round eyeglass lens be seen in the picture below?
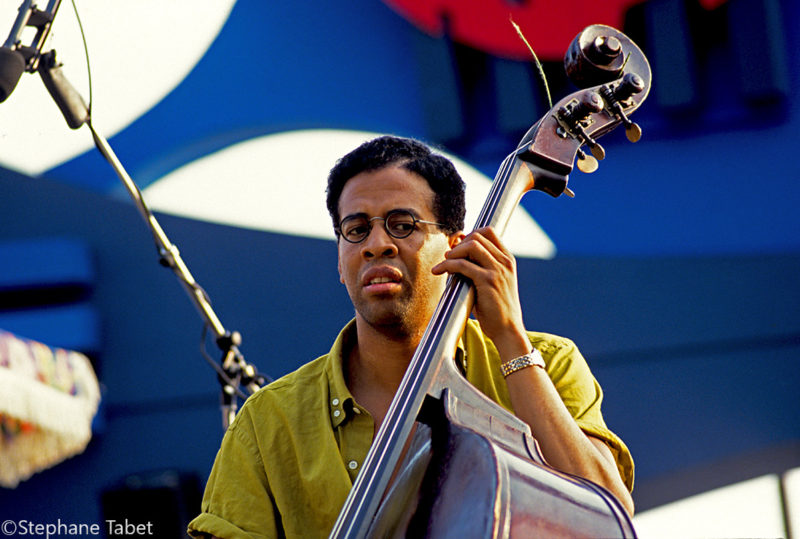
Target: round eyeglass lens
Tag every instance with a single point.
(400, 224)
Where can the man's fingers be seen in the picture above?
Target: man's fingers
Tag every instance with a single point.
(483, 248)
(469, 269)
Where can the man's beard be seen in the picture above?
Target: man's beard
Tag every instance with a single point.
(398, 318)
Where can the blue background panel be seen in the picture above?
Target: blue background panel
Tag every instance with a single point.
(697, 355)
(677, 261)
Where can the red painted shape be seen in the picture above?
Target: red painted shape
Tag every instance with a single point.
(548, 25)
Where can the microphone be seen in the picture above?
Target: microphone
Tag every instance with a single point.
(15, 57)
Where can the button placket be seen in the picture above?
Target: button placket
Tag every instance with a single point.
(354, 443)
(337, 412)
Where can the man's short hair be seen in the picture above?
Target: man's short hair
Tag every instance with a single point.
(448, 187)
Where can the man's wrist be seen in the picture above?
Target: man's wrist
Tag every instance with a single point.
(531, 359)
(511, 343)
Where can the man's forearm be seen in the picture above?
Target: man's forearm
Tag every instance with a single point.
(564, 445)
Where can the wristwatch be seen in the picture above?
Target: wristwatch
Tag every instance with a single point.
(531, 359)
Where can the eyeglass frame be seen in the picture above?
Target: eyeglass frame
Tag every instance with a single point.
(385, 219)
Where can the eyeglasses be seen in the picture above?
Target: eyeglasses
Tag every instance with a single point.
(398, 224)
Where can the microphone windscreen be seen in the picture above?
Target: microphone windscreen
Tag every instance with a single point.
(12, 64)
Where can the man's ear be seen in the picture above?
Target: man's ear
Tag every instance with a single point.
(339, 268)
(455, 238)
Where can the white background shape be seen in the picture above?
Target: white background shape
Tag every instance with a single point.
(751, 508)
(139, 51)
(277, 183)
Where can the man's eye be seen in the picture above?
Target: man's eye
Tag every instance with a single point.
(356, 229)
(402, 227)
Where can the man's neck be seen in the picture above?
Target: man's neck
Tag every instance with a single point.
(376, 365)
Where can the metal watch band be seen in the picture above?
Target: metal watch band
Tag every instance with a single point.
(531, 359)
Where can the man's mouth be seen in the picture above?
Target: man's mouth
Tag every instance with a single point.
(382, 279)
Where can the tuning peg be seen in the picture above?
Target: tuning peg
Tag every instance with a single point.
(574, 114)
(597, 151)
(591, 103)
(577, 111)
(630, 84)
(632, 131)
(586, 163)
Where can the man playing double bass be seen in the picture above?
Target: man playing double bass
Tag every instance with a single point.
(289, 459)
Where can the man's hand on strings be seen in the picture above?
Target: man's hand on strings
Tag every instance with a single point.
(483, 259)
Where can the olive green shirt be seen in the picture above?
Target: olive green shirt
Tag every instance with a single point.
(289, 459)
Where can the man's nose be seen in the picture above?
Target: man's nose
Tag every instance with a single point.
(378, 242)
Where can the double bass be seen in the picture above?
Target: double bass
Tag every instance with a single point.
(447, 461)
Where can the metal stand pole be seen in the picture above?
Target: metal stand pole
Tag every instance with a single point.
(234, 370)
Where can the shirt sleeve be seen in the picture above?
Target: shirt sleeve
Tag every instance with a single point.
(583, 396)
(571, 377)
(237, 503)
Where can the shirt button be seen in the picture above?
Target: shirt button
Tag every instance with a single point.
(335, 402)
(336, 413)
(352, 465)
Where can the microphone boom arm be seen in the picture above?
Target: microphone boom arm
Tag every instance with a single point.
(234, 371)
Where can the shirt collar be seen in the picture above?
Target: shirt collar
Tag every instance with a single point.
(341, 403)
